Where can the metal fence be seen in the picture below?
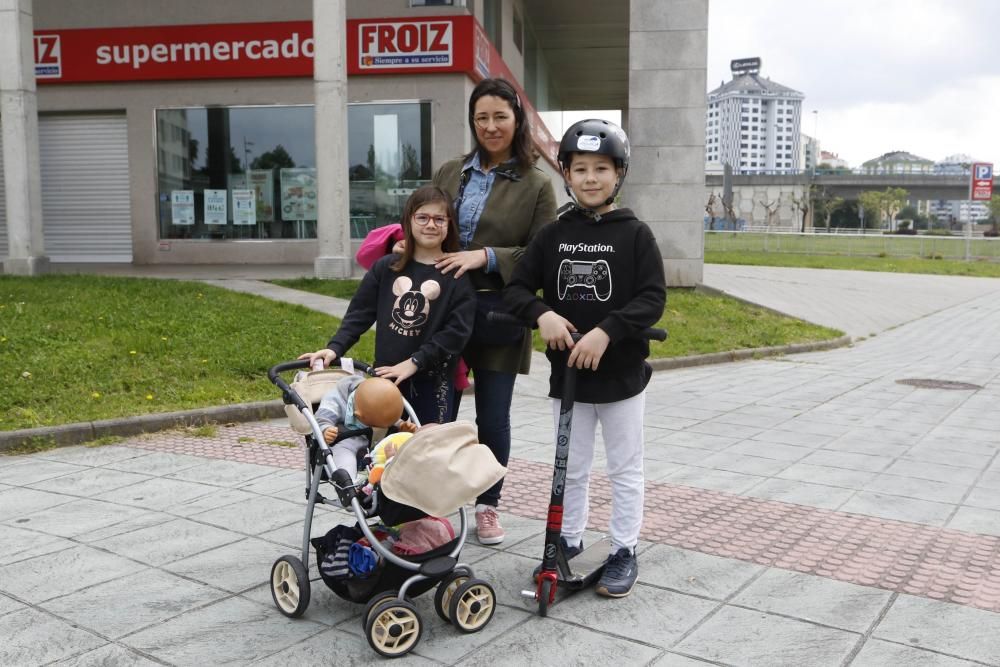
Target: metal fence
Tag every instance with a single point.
(857, 245)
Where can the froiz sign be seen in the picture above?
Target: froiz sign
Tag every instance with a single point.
(405, 44)
(48, 57)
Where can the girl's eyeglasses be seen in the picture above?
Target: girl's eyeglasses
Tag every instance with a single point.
(423, 219)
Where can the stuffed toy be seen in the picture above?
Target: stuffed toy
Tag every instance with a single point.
(383, 452)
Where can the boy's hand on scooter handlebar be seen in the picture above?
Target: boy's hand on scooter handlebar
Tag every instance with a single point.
(397, 373)
(556, 330)
(588, 350)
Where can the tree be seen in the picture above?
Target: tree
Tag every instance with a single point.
(801, 204)
(824, 204)
(893, 201)
(871, 202)
(994, 205)
(883, 205)
(277, 157)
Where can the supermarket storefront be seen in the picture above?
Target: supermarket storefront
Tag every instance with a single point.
(187, 134)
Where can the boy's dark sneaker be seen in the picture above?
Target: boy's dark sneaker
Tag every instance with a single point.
(619, 575)
(568, 551)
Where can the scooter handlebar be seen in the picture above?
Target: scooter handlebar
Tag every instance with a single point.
(650, 333)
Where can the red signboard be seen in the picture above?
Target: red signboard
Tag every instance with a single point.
(433, 44)
(218, 51)
(981, 187)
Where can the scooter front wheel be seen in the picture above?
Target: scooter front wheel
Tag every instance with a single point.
(544, 593)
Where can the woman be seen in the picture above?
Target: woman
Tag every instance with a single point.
(502, 200)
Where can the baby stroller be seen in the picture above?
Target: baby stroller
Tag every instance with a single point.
(436, 474)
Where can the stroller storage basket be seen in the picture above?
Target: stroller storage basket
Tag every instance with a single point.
(390, 578)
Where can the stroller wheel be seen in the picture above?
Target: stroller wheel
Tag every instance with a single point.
(379, 598)
(393, 628)
(472, 605)
(445, 590)
(290, 586)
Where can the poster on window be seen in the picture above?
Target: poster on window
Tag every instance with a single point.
(182, 207)
(298, 194)
(216, 208)
(261, 181)
(244, 209)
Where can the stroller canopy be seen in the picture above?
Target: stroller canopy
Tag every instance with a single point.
(440, 469)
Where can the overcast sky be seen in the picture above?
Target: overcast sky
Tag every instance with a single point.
(916, 75)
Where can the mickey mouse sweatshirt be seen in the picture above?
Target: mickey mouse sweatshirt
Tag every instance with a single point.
(606, 274)
(420, 312)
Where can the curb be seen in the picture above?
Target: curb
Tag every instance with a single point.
(747, 353)
(75, 434)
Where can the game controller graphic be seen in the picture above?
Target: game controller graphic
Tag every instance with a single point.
(595, 276)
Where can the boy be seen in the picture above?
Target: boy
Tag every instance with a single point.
(601, 275)
(356, 402)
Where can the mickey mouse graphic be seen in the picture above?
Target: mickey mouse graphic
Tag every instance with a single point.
(412, 307)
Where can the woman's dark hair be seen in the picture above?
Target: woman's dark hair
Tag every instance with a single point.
(520, 148)
(426, 194)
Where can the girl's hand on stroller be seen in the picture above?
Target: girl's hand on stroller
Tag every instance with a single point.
(588, 350)
(327, 355)
(556, 330)
(407, 427)
(397, 373)
(330, 434)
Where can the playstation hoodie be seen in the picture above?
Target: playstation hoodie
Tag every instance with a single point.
(606, 274)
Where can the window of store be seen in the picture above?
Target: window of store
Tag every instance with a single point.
(389, 157)
(250, 172)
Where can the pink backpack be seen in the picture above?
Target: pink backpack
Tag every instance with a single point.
(378, 243)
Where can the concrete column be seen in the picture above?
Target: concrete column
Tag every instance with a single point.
(668, 62)
(19, 109)
(330, 83)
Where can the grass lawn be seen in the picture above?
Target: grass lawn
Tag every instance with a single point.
(79, 348)
(887, 264)
(698, 323)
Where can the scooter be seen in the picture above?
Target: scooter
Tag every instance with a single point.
(587, 566)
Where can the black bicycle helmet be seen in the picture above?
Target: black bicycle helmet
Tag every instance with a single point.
(602, 137)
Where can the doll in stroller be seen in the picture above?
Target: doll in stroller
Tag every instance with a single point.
(438, 472)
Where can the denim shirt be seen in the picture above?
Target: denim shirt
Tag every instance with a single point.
(470, 208)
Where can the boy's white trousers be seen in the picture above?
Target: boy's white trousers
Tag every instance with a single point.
(621, 428)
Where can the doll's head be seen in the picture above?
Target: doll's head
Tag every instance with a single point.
(377, 403)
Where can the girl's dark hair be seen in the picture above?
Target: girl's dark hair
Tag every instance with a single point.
(520, 148)
(426, 194)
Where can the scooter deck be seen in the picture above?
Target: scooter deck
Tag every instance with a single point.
(587, 566)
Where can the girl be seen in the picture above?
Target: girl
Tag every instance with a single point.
(424, 318)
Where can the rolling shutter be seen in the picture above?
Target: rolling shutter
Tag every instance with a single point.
(85, 188)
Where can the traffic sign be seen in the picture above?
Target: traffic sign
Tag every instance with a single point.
(981, 183)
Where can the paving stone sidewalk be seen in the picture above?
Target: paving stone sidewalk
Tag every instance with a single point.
(808, 510)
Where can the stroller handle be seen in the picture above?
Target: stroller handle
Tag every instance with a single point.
(649, 333)
(289, 396)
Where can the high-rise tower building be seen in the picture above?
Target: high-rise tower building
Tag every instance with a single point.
(753, 123)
